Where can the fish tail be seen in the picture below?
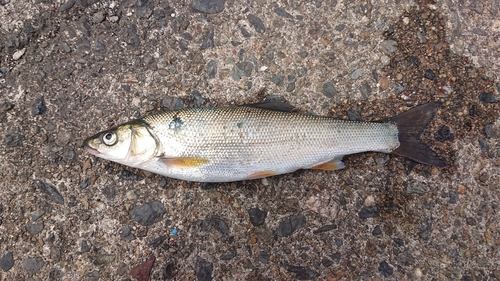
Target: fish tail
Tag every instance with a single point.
(410, 125)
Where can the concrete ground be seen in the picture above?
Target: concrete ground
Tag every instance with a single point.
(71, 69)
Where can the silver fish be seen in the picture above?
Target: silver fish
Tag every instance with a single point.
(235, 143)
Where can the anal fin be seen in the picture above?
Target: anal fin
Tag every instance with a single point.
(261, 174)
(334, 164)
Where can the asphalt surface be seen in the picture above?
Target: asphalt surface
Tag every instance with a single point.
(71, 69)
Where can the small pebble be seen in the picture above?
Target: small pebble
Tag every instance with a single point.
(377, 230)
(368, 212)
(329, 90)
(461, 189)
(390, 46)
(128, 175)
(365, 90)
(257, 23)
(7, 261)
(487, 98)
(217, 224)
(385, 269)
(168, 271)
(85, 247)
(416, 188)
(34, 228)
(143, 270)
(383, 83)
(287, 226)
(209, 6)
(33, 264)
(92, 276)
(13, 140)
(489, 131)
(66, 6)
(479, 31)
(429, 74)
(87, 164)
(302, 273)
(147, 214)
(241, 69)
(418, 272)
(229, 256)
(50, 191)
(208, 40)
(257, 216)
(98, 17)
(415, 60)
(356, 74)
(113, 19)
(104, 259)
(126, 233)
(453, 197)
(145, 11)
(39, 106)
(303, 54)
(203, 269)
(141, 232)
(282, 13)
(18, 54)
(326, 262)
(443, 134)
(263, 257)
(157, 241)
(212, 69)
(121, 269)
(325, 228)
(381, 160)
(172, 103)
(353, 115)
(277, 80)
(471, 221)
(6, 106)
(483, 144)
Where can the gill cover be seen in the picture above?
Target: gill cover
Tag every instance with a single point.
(130, 143)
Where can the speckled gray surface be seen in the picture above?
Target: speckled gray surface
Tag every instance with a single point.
(65, 215)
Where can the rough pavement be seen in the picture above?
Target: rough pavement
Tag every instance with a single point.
(69, 69)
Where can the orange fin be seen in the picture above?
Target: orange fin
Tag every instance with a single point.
(183, 162)
(335, 164)
(261, 174)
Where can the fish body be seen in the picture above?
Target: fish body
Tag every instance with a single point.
(235, 143)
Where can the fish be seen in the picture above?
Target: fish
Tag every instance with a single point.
(235, 143)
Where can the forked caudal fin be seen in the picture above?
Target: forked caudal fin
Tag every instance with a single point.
(410, 125)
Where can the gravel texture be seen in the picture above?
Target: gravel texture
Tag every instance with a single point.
(69, 69)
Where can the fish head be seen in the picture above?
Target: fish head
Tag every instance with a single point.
(130, 144)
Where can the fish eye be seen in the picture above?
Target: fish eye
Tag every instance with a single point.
(108, 138)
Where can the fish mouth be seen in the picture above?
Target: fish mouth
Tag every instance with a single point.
(90, 149)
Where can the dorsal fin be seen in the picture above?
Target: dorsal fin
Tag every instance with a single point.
(273, 105)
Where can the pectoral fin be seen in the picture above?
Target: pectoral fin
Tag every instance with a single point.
(183, 162)
(334, 164)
